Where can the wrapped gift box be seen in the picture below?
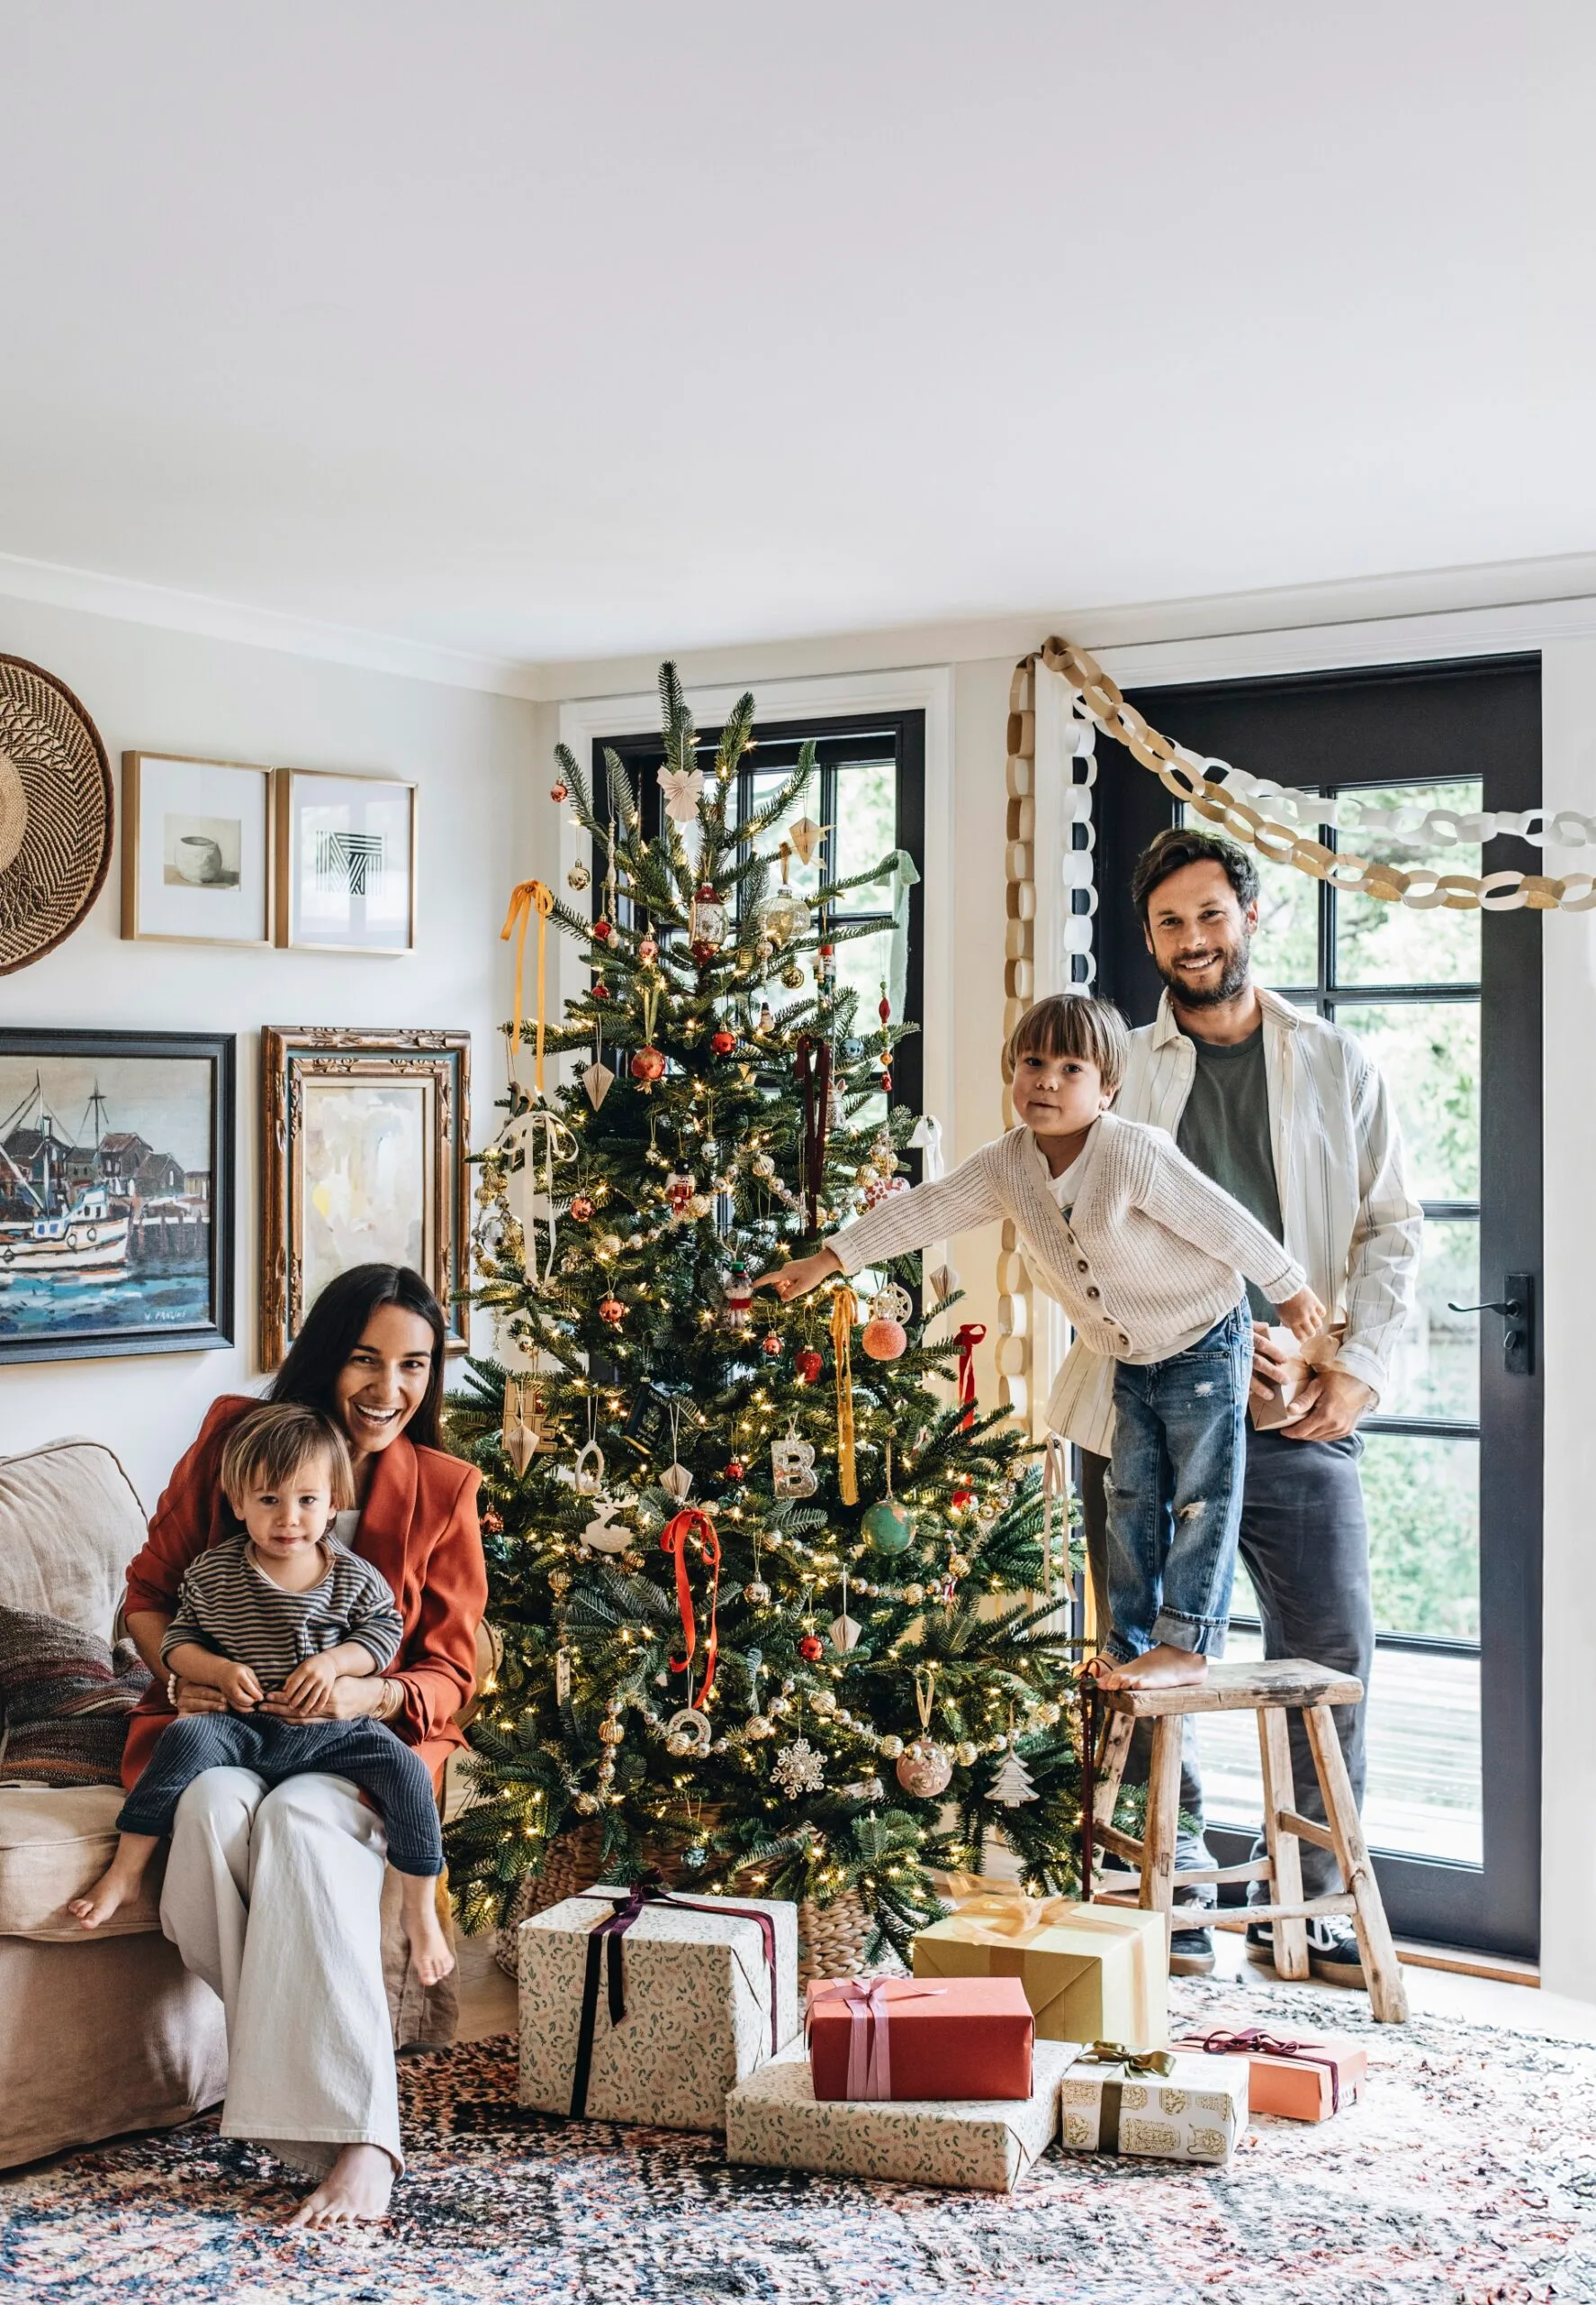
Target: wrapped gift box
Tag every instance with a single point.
(897, 2038)
(1193, 2112)
(774, 2118)
(1302, 2077)
(1090, 1972)
(696, 1986)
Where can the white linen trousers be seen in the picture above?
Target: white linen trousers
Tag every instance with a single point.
(274, 1898)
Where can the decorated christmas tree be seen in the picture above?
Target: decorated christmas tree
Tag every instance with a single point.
(776, 1602)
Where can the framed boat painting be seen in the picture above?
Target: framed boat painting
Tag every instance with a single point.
(363, 1161)
(116, 1193)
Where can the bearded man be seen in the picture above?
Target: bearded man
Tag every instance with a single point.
(1290, 1115)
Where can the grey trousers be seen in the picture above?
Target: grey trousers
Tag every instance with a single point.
(1305, 1540)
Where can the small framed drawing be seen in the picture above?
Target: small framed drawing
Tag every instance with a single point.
(345, 861)
(196, 850)
(116, 1193)
(362, 1162)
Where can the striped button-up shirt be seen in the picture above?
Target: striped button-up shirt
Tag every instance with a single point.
(1348, 1217)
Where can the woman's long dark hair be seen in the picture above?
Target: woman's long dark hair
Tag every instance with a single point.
(334, 1326)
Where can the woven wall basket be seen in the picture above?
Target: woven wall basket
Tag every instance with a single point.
(56, 813)
(831, 1940)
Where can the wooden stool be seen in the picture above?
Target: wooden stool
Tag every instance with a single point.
(1270, 1690)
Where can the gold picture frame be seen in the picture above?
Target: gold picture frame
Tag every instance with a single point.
(198, 851)
(346, 869)
(331, 1100)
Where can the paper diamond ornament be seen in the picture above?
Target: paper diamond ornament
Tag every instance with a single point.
(598, 1081)
(806, 836)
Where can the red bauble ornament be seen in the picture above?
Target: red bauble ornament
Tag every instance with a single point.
(811, 1649)
(807, 1365)
(649, 1064)
(600, 990)
(773, 1346)
(647, 950)
(581, 1207)
(602, 932)
(723, 1043)
(884, 1339)
(961, 1498)
(559, 792)
(612, 1311)
(883, 1009)
(886, 1080)
(704, 953)
(737, 1469)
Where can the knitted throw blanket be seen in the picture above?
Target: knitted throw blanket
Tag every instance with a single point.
(65, 1698)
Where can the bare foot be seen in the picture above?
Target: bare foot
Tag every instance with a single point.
(1162, 1668)
(115, 1887)
(430, 1956)
(354, 2191)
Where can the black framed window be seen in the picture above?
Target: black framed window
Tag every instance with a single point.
(869, 793)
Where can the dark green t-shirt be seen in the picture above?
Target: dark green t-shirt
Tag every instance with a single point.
(1224, 1131)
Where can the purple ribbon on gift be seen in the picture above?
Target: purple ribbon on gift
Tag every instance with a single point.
(869, 2001)
(1252, 2040)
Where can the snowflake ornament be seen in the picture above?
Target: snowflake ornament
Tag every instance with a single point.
(798, 1768)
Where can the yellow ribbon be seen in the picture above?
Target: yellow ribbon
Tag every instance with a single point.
(1158, 2061)
(525, 899)
(845, 1312)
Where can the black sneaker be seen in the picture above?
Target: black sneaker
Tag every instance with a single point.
(1191, 1953)
(1332, 1947)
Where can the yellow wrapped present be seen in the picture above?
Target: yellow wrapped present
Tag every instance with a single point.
(1090, 1972)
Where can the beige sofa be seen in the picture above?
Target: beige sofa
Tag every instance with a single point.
(108, 2033)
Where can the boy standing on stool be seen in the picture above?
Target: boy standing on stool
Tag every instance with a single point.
(1290, 1115)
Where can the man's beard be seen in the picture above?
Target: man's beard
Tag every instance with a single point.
(1232, 978)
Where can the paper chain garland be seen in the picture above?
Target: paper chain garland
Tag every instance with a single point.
(1219, 797)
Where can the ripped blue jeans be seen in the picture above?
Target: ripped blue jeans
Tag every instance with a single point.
(1173, 1492)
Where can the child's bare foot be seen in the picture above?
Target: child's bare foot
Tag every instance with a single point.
(117, 1887)
(1163, 1668)
(431, 1955)
(354, 2190)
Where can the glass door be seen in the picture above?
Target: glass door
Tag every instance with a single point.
(1448, 1004)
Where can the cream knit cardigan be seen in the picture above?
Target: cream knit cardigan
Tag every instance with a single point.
(1151, 1255)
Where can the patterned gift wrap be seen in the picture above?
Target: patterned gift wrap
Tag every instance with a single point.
(1170, 2107)
(697, 2007)
(774, 2120)
(1090, 1972)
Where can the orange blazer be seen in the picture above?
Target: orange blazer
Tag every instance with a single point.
(418, 1526)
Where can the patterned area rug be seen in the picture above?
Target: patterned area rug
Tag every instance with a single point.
(1468, 2177)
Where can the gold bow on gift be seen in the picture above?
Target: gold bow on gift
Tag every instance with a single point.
(1158, 2061)
(1001, 1911)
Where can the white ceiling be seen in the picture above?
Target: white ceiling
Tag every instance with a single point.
(546, 331)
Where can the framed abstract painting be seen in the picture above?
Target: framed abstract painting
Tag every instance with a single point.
(345, 861)
(116, 1193)
(365, 1138)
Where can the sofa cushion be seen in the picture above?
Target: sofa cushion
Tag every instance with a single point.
(70, 1520)
(55, 1842)
(65, 1698)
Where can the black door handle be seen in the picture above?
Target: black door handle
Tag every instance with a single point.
(1518, 1310)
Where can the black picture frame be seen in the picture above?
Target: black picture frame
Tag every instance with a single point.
(173, 1231)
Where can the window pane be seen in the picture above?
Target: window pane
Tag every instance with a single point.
(1435, 1371)
(867, 827)
(1424, 1501)
(1424, 1793)
(1286, 949)
(863, 964)
(1391, 944)
(1430, 1054)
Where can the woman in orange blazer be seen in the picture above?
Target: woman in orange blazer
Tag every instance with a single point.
(274, 1897)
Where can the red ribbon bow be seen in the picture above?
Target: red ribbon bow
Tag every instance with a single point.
(1252, 2040)
(673, 1538)
(972, 1333)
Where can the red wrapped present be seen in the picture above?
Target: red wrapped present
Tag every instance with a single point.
(906, 2038)
(1302, 2078)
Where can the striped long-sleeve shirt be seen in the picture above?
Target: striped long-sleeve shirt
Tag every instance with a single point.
(229, 1606)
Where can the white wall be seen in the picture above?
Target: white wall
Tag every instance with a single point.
(471, 755)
